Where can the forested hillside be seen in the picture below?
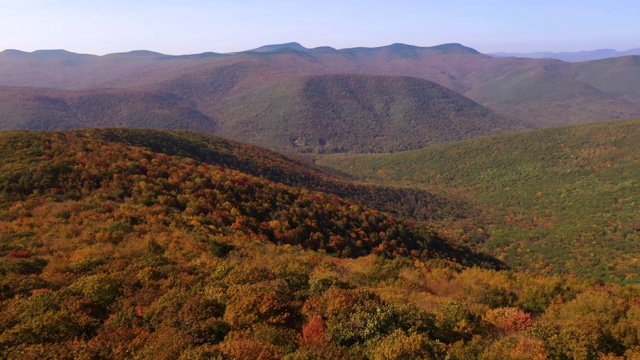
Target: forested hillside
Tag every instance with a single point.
(559, 201)
(154, 244)
(356, 113)
(455, 218)
(62, 167)
(49, 109)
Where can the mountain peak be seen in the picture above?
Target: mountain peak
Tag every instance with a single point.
(54, 53)
(140, 53)
(402, 46)
(13, 52)
(274, 47)
(452, 48)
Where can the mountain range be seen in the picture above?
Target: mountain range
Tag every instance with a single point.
(291, 98)
(576, 56)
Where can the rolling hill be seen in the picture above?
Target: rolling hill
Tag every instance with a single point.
(449, 216)
(21, 168)
(251, 102)
(48, 109)
(535, 92)
(562, 200)
(339, 113)
(553, 93)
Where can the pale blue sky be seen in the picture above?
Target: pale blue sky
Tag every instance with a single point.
(194, 26)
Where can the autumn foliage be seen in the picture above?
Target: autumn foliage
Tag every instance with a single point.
(115, 251)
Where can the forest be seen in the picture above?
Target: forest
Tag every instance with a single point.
(555, 201)
(115, 244)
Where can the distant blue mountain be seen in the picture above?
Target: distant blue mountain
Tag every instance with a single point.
(572, 56)
(274, 47)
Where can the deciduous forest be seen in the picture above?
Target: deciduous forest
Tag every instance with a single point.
(115, 250)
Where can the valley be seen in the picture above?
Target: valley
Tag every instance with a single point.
(561, 200)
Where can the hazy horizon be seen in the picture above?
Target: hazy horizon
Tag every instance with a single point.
(311, 48)
(196, 26)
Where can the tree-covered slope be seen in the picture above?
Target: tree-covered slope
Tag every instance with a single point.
(268, 105)
(550, 93)
(299, 172)
(79, 166)
(50, 109)
(112, 249)
(338, 113)
(563, 200)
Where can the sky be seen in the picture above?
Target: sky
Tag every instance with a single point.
(195, 26)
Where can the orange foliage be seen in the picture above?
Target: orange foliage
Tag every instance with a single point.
(314, 331)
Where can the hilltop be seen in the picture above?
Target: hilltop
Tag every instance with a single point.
(562, 200)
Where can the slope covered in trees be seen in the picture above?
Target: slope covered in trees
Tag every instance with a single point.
(110, 250)
(338, 113)
(299, 172)
(77, 166)
(49, 109)
(561, 200)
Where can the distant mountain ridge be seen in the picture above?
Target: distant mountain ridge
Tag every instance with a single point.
(568, 56)
(258, 96)
(577, 56)
(269, 48)
(449, 47)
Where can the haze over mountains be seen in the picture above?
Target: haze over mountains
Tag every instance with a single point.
(296, 99)
(576, 56)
